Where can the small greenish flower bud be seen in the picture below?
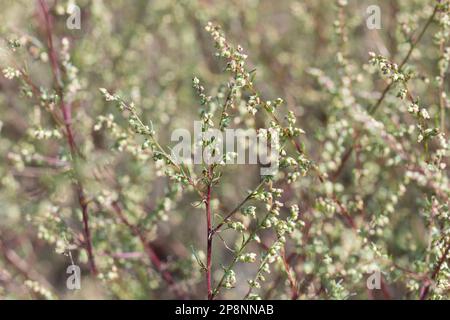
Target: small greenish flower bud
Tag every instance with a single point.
(250, 211)
(254, 284)
(236, 225)
(247, 257)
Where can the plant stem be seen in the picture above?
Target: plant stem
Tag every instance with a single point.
(22, 266)
(209, 242)
(178, 167)
(150, 252)
(375, 107)
(291, 278)
(442, 100)
(237, 254)
(424, 291)
(67, 116)
(239, 206)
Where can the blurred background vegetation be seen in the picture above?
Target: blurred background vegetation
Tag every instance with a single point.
(313, 54)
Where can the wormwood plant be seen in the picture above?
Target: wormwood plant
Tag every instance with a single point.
(239, 91)
(358, 207)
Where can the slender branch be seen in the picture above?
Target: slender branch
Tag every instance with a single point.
(236, 209)
(442, 96)
(424, 291)
(150, 252)
(160, 149)
(291, 278)
(414, 43)
(20, 265)
(67, 116)
(209, 242)
(375, 107)
(237, 254)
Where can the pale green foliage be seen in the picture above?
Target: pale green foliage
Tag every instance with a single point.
(362, 117)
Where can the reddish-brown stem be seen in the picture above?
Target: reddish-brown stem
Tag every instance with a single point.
(291, 278)
(151, 254)
(426, 287)
(209, 242)
(385, 290)
(67, 116)
(442, 100)
(87, 232)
